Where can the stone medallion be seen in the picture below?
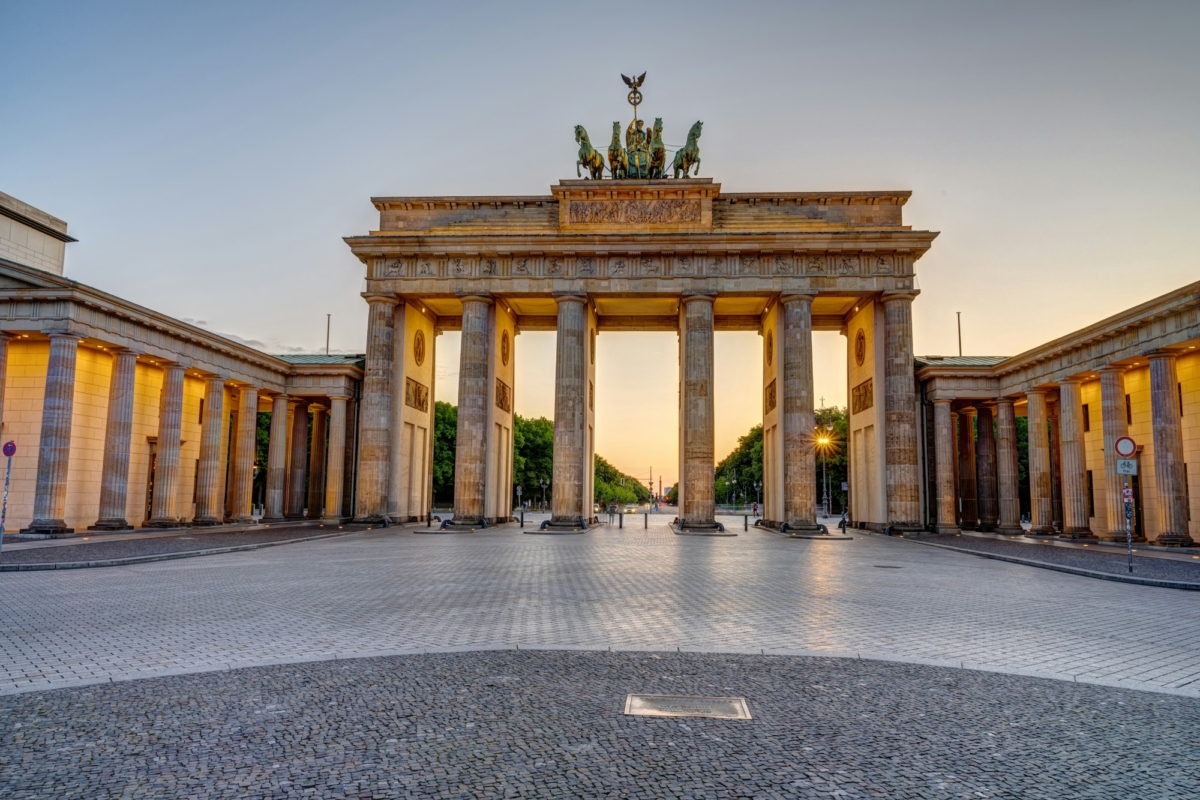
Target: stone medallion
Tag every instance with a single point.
(419, 348)
(860, 347)
(505, 348)
(770, 347)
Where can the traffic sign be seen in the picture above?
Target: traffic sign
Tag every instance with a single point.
(845, 486)
(10, 449)
(1125, 447)
(1127, 493)
(1127, 466)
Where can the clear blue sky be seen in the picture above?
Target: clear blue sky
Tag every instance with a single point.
(210, 156)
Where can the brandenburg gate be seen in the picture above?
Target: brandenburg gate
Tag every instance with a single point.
(640, 251)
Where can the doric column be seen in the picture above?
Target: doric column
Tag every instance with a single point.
(298, 477)
(396, 470)
(570, 414)
(375, 417)
(968, 508)
(277, 460)
(316, 465)
(164, 512)
(118, 432)
(799, 454)
(50, 492)
(985, 470)
(4, 337)
(1168, 452)
(334, 474)
(1074, 461)
(210, 481)
(943, 440)
(696, 407)
(900, 414)
(470, 458)
(1112, 417)
(1007, 469)
(243, 464)
(1040, 509)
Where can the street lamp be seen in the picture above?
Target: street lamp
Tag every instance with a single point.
(733, 481)
(543, 483)
(824, 440)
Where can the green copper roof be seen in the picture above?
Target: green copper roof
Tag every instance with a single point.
(333, 358)
(959, 361)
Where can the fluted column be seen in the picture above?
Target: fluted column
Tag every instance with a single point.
(1056, 462)
(968, 508)
(570, 413)
(1007, 468)
(277, 460)
(943, 440)
(900, 414)
(1168, 452)
(210, 482)
(298, 474)
(316, 465)
(243, 465)
(470, 460)
(4, 338)
(54, 449)
(696, 406)
(335, 472)
(1041, 513)
(375, 410)
(1112, 418)
(164, 511)
(1074, 461)
(118, 432)
(985, 469)
(799, 454)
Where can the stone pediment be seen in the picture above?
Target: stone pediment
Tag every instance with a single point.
(15, 277)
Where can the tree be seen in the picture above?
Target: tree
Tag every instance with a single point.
(445, 434)
(609, 488)
(533, 455)
(673, 495)
(744, 464)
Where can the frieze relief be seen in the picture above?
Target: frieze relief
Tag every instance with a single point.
(634, 212)
(416, 395)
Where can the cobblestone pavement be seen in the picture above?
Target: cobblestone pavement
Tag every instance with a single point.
(388, 591)
(519, 724)
(1097, 559)
(131, 548)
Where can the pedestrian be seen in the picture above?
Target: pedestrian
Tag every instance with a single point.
(756, 508)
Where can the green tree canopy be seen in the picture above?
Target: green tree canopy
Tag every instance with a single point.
(609, 488)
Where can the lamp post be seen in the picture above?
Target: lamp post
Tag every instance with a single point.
(733, 482)
(543, 483)
(824, 440)
(758, 492)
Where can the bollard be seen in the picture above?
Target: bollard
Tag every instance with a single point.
(522, 518)
(621, 520)
(429, 519)
(745, 522)
(646, 518)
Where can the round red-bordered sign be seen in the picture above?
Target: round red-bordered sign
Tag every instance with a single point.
(1125, 447)
(10, 449)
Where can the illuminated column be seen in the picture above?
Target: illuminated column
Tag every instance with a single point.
(163, 505)
(4, 337)
(470, 458)
(277, 460)
(799, 455)
(1112, 417)
(1168, 452)
(985, 469)
(118, 433)
(210, 481)
(1040, 501)
(54, 449)
(335, 472)
(1074, 461)
(316, 465)
(943, 432)
(968, 508)
(900, 414)
(696, 412)
(298, 477)
(375, 410)
(1007, 469)
(243, 465)
(570, 413)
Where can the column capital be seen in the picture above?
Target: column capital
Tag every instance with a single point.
(569, 298)
(942, 402)
(1070, 382)
(898, 294)
(1039, 392)
(1113, 369)
(1005, 401)
(1158, 355)
(689, 297)
(64, 335)
(381, 298)
(797, 297)
(474, 297)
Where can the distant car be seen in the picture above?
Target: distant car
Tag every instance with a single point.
(596, 507)
(630, 510)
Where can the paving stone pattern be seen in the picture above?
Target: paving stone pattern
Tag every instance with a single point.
(1098, 559)
(385, 591)
(550, 724)
(133, 548)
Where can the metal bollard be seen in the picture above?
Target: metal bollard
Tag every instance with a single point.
(522, 518)
(646, 518)
(745, 522)
(621, 520)
(429, 519)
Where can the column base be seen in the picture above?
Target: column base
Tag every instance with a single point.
(47, 529)
(243, 521)
(1040, 532)
(164, 522)
(1174, 540)
(1078, 533)
(987, 527)
(1119, 536)
(206, 522)
(945, 529)
(274, 520)
(110, 525)
(1010, 530)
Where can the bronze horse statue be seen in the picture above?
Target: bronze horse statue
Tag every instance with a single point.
(588, 156)
(618, 158)
(689, 154)
(658, 151)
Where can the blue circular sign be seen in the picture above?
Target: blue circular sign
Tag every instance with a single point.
(10, 449)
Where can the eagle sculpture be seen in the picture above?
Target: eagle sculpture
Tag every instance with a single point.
(633, 83)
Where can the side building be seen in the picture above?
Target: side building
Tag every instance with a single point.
(124, 417)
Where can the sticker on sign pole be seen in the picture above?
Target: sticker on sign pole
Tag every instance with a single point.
(10, 449)
(1125, 447)
(1127, 493)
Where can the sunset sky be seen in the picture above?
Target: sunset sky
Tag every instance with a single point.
(210, 156)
